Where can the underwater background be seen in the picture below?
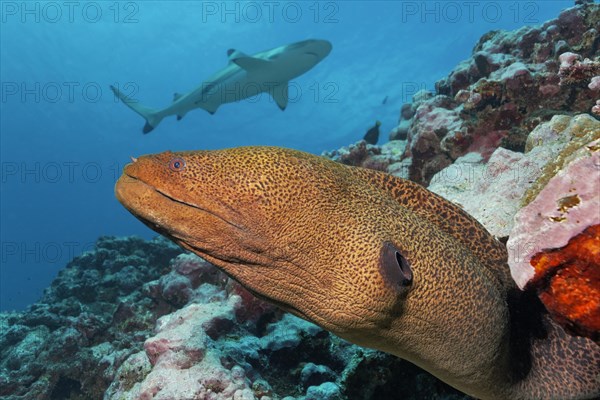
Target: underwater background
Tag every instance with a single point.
(494, 106)
(65, 137)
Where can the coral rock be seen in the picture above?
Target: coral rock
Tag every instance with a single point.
(508, 176)
(325, 391)
(596, 109)
(314, 375)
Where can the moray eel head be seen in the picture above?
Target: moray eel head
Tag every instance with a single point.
(284, 242)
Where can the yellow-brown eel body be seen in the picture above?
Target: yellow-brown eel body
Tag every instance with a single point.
(375, 259)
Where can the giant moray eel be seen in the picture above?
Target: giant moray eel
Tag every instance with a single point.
(377, 260)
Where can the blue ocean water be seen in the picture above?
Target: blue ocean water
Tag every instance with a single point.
(65, 137)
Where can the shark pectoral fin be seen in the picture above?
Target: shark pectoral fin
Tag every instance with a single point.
(179, 117)
(280, 95)
(147, 128)
(251, 63)
(232, 54)
(176, 96)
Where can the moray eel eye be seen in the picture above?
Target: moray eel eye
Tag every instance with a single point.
(395, 269)
(177, 164)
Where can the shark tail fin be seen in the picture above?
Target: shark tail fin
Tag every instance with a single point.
(151, 116)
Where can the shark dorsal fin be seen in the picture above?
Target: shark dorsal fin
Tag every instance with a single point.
(176, 96)
(280, 95)
(251, 63)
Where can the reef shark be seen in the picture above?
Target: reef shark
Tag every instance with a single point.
(244, 76)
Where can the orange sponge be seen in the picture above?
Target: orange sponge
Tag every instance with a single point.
(568, 282)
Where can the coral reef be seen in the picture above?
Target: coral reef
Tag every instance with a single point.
(513, 82)
(509, 179)
(475, 184)
(572, 71)
(542, 201)
(381, 158)
(551, 245)
(92, 317)
(139, 320)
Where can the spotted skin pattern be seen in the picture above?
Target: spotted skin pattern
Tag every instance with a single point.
(314, 237)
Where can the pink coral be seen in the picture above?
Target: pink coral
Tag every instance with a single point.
(198, 270)
(515, 75)
(572, 71)
(596, 108)
(549, 221)
(568, 59)
(595, 83)
(433, 123)
(250, 308)
(182, 361)
(176, 289)
(502, 181)
(549, 90)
